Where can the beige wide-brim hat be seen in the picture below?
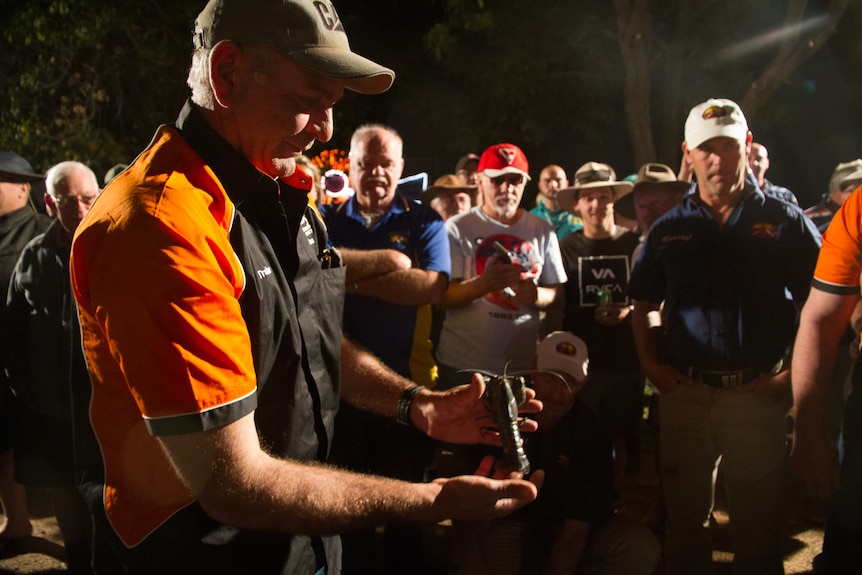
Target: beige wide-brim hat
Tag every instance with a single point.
(448, 183)
(590, 176)
(650, 176)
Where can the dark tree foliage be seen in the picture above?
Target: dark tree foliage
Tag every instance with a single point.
(552, 75)
(90, 80)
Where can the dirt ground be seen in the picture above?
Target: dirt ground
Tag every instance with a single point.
(43, 553)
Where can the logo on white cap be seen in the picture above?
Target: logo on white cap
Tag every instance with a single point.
(713, 118)
(563, 352)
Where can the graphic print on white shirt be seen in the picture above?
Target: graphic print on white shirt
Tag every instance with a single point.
(523, 253)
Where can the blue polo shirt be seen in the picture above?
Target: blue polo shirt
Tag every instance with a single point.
(727, 291)
(387, 329)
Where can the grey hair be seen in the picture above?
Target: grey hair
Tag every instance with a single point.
(363, 131)
(200, 78)
(58, 173)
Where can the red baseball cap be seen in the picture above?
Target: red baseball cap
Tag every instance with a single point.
(502, 159)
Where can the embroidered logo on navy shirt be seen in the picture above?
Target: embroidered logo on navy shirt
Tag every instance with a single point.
(397, 237)
(764, 230)
(678, 238)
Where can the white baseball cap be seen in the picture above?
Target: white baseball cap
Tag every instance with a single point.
(563, 352)
(713, 118)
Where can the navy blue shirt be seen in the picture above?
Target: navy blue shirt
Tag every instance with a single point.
(387, 329)
(730, 293)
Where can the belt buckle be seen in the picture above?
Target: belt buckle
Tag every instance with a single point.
(716, 379)
(730, 381)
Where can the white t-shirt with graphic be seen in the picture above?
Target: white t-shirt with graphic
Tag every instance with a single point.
(493, 333)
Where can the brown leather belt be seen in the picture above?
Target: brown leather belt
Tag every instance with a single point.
(723, 379)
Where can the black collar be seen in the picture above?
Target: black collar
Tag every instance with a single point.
(240, 179)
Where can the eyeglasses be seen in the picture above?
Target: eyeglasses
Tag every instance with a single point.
(65, 201)
(593, 176)
(511, 179)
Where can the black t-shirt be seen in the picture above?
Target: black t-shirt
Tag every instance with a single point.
(593, 265)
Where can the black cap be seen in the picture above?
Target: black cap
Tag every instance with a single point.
(14, 168)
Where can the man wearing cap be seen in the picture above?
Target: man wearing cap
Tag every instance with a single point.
(825, 473)
(552, 179)
(492, 305)
(598, 261)
(846, 177)
(210, 303)
(572, 526)
(397, 257)
(758, 161)
(465, 169)
(19, 223)
(449, 197)
(722, 263)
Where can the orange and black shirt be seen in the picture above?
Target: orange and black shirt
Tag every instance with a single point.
(202, 298)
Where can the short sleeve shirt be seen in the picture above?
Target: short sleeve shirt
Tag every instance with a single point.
(594, 265)
(492, 332)
(730, 293)
(840, 261)
(408, 227)
(202, 297)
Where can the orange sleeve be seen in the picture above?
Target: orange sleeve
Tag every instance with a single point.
(840, 260)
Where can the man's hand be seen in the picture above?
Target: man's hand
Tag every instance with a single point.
(480, 497)
(498, 275)
(613, 315)
(459, 415)
(775, 386)
(526, 292)
(665, 377)
(814, 462)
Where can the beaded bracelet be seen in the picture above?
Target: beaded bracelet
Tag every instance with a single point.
(404, 404)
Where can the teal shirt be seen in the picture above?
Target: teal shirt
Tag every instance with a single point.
(563, 222)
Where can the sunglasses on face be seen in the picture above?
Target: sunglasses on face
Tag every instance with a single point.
(593, 176)
(511, 179)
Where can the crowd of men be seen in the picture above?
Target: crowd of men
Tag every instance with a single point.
(212, 373)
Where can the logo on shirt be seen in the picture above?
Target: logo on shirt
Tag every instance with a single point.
(264, 272)
(398, 238)
(676, 238)
(764, 230)
(306, 228)
(603, 273)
